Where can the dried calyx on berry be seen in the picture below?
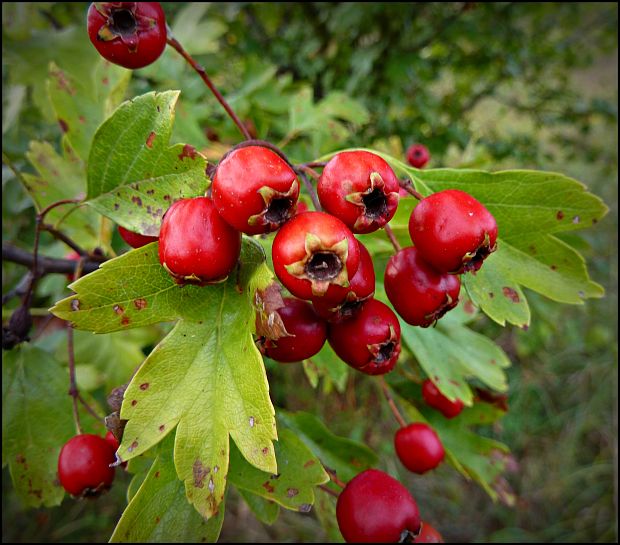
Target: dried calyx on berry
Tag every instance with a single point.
(130, 34)
(453, 231)
(359, 188)
(255, 189)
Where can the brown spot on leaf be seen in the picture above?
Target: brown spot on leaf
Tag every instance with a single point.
(136, 200)
(20, 459)
(157, 519)
(134, 402)
(144, 386)
(116, 206)
(118, 309)
(265, 451)
(188, 151)
(82, 119)
(200, 472)
(75, 305)
(274, 476)
(491, 295)
(63, 125)
(157, 474)
(511, 294)
(140, 304)
(305, 508)
(560, 215)
(554, 268)
(133, 446)
(125, 320)
(149, 140)
(268, 487)
(309, 463)
(105, 81)
(167, 197)
(291, 492)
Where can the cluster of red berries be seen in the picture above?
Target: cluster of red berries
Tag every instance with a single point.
(85, 464)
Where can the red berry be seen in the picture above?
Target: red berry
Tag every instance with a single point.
(370, 340)
(112, 440)
(308, 333)
(359, 188)
(418, 447)
(434, 398)
(362, 287)
(135, 240)
(301, 208)
(84, 465)
(255, 190)
(131, 34)
(196, 245)
(418, 155)
(315, 255)
(453, 231)
(376, 508)
(428, 534)
(419, 293)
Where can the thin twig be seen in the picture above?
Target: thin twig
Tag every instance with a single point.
(92, 411)
(73, 390)
(313, 164)
(47, 265)
(309, 170)
(327, 489)
(334, 477)
(203, 74)
(63, 238)
(388, 396)
(310, 188)
(408, 187)
(392, 237)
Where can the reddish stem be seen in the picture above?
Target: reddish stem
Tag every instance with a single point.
(392, 237)
(388, 396)
(334, 478)
(408, 187)
(73, 389)
(203, 74)
(327, 489)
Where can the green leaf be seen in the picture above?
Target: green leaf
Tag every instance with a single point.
(474, 456)
(345, 456)
(207, 365)
(60, 178)
(81, 101)
(36, 422)
(293, 487)
(266, 511)
(325, 509)
(133, 175)
(159, 511)
(329, 364)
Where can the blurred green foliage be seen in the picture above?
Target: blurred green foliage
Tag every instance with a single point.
(485, 85)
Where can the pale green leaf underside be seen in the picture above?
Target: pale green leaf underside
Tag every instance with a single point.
(133, 174)
(36, 422)
(266, 511)
(160, 513)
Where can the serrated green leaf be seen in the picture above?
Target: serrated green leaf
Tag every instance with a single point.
(82, 101)
(160, 513)
(293, 486)
(264, 510)
(345, 456)
(325, 509)
(328, 363)
(133, 174)
(36, 422)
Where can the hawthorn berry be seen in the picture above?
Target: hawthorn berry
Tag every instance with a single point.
(255, 190)
(307, 331)
(362, 287)
(196, 245)
(84, 465)
(130, 34)
(370, 340)
(453, 231)
(376, 508)
(418, 447)
(359, 188)
(434, 398)
(315, 255)
(428, 534)
(135, 240)
(419, 293)
(73, 256)
(418, 155)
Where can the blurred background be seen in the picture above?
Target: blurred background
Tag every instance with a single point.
(483, 85)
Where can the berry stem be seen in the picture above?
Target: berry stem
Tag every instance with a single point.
(310, 188)
(327, 489)
(334, 478)
(388, 396)
(408, 187)
(73, 389)
(392, 237)
(173, 42)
